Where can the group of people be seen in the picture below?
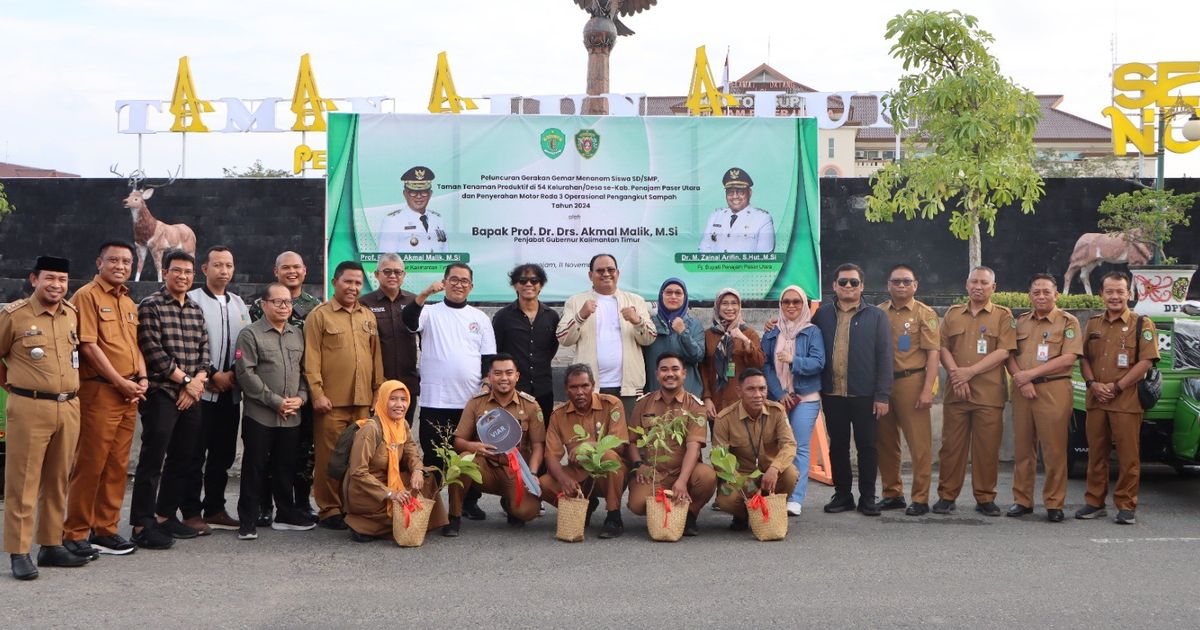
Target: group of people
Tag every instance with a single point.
(294, 373)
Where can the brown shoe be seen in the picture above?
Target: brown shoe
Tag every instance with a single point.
(222, 520)
(198, 524)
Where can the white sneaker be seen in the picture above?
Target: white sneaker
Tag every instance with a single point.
(793, 508)
(247, 535)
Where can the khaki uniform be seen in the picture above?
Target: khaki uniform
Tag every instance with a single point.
(107, 318)
(1117, 422)
(974, 427)
(41, 350)
(343, 362)
(365, 487)
(606, 417)
(1043, 420)
(702, 482)
(758, 444)
(498, 478)
(914, 334)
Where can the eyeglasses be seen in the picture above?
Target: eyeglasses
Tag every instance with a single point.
(278, 302)
(458, 282)
(901, 282)
(793, 302)
(605, 271)
(181, 272)
(528, 280)
(848, 282)
(390, 273)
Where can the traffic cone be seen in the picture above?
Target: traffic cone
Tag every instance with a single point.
(819, 467)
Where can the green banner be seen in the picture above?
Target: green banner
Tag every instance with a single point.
(719, 202)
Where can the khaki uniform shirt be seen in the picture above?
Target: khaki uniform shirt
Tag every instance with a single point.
(757, 443)
(40, 348)
(920, 324)
(523, 407)
(1058, 330)
(652, 406)
(1104, 342)
(961, 335)
(108, 318)
(841, 350)
(342, 359)
(606, 417)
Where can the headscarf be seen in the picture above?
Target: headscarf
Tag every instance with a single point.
(788, 330)
(723, 353)
(395, 434)
(668, 316)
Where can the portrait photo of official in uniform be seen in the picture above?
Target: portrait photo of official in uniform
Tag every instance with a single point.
(738, 227)
(412, 226)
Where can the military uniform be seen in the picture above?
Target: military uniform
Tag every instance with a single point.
(914, 334)
(302, 305)
(702, 483)
(606, 417)
(1118, 421)
(498, 477)
(758, 444)
(974, 427)
(41, 350)
(1043, 420)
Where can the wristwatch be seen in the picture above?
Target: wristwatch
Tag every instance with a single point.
(187, 380)
(1088, 383)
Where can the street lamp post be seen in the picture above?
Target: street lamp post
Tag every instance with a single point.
(1191, 131)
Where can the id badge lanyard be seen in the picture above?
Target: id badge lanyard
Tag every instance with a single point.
(1043, 348)
(981, 346)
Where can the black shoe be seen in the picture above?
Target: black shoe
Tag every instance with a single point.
(23, 567)
(176, 529)
(944, 507)
(739, 525)
(1089, 512)
(264, 517)
(308, 515)
(450, 530)
(1126, 517)
(58, 556)
(840, 503)
(113, 545)
(988, 509)
(361, 538)
(81, 548)
(247, 533)
(151, 537)
(1017, 510)
(891, 503)
(593, 503)
(917, 509)
(337, 522)
(613, 527)
(295, 522)
(689, 528)
(1054, 516)
(868, 507)
(471, 508)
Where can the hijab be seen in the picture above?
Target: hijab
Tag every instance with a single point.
(723, 353)
(788, 330)
(395, 434)
(665, 314)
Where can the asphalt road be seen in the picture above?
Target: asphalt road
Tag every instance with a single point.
(845, 570)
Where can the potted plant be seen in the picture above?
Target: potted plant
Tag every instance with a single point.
(767, 515)
(572, 511)
(1149, 216)
(410, 523)
(666, 433)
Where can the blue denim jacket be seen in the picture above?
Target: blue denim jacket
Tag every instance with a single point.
(807, 363)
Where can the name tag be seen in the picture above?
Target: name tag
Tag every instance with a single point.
(1043, 352)
(904, 343)
(75, 359)
(981, 346)
(1123, 360)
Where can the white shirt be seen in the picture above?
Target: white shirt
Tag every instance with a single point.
(402, 231)
(752, 232)
(608, 341)
(453, 341)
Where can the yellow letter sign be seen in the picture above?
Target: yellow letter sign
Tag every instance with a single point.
(1143, 87)
(185, 105)
(444, 98)
(307, 101)
(704, 97)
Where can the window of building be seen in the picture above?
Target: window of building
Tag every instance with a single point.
(831, 148)
(830, 171)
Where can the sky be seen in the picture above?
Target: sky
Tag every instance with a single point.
(64, 63)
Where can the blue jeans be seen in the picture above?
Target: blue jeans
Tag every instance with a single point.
(802, 418)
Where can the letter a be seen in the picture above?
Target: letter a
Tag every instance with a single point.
(185, 105)
(444, 98)
(307, 101)
(704, 97)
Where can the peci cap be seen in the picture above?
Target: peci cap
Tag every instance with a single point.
(418, 178)
(737, 178)
(52, 263)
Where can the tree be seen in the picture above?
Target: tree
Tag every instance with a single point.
(1054, 163)
(974, 142)
(256, 170)
(5, 206)
(1147, 216)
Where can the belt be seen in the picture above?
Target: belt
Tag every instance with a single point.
(906, 373)
(1046, 379)
(36, 395)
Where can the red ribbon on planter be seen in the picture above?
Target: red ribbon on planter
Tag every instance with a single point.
(660, 496)
(758, 502)
(410, 506)
(515, 466)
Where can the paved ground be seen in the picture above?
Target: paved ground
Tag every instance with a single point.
(842, 570)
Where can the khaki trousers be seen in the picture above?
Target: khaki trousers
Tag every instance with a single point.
(611, 486)
(326, 429)
(734, 504)
(1041, 422)
(904, 417)
(970, 430)
(499, 481)
(701, 486)
(40, 446)
(1104, 429)
(98, 479)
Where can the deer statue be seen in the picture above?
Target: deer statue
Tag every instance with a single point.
(1094, 248)
(150, 234)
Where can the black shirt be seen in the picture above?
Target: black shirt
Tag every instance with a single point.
(398, 343)
(533, 344)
